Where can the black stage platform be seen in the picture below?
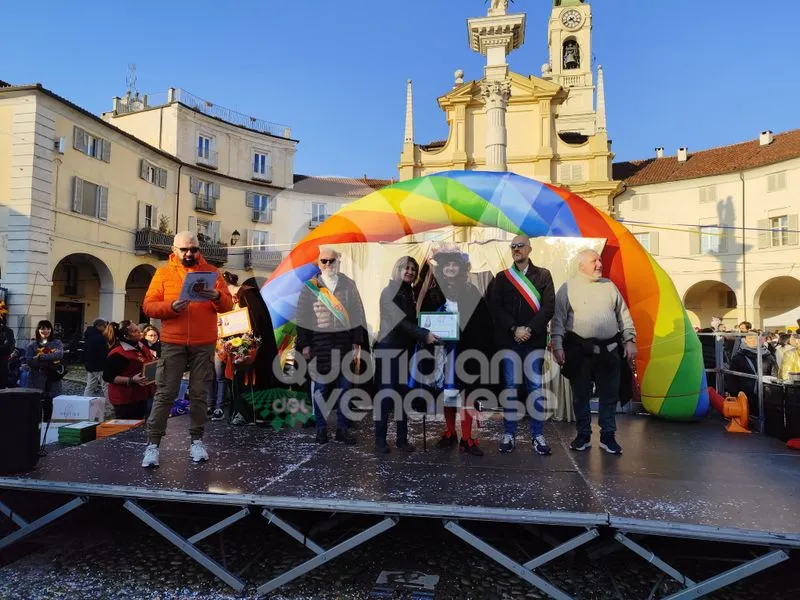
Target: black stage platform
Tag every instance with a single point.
(690, 480)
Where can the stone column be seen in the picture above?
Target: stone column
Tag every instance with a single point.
(112, 304)
(495, 95)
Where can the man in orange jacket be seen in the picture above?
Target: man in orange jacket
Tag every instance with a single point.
(188, 337)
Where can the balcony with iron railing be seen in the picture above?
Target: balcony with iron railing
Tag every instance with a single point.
(208, 159)
(205, 203)
(157, 243)
(262, 259)
(262, 216)
(316, 221)
(127, 105)
(265, 176)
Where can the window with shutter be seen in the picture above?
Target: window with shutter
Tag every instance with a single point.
(80, 140)
(162, 178)
(764, 234)
(694, 241)
(641, 202)
(106, 151)
(194, 185)
(215, 191)
(794, 235)
(708, 194)
(143, 167)
(77, 194)
(779, 231)
(776, 182)
(643, 239)
(102, 202)
(653, 243)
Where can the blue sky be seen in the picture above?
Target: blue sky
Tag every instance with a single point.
(678, 73)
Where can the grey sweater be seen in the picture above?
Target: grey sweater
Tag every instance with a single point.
(591, 309)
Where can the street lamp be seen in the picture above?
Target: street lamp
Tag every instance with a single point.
(235, 237)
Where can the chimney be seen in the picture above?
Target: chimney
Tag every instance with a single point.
(660, 152)
(115, 104)
(683, 154)
(766, 138)
(170, 95)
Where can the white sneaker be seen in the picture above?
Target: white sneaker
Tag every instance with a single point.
(507, 443)
(198, 451)
(150, 456)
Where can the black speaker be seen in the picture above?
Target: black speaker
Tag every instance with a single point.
(19, 429)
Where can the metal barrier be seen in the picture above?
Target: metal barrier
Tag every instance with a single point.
(721, 368)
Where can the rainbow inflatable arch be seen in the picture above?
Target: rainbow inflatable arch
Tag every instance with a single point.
(669, 364)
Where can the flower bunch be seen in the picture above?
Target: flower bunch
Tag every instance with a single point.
(239, 347)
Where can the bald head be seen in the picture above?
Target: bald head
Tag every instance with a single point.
(520, 250)
(590, 263)
(186, 248)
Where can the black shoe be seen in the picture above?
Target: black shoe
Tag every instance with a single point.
(581, 443)
(322, 436)
(470, 447)
(609, 444)
(447, 441)
(344, 436)
(381, 447)
(405, 447)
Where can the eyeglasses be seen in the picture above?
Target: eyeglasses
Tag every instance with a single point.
(327, 261)
(518, 246)
(193, 250)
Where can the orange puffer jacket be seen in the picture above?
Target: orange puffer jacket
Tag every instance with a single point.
(197, 324)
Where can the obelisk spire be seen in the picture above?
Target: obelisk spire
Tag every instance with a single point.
(409, 136)
(601, 100)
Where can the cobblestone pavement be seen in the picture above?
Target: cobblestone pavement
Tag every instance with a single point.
(102, 551)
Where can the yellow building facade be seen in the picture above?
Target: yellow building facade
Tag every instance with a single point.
(555, 124)
(89, 206)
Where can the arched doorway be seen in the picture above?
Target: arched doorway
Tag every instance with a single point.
(135, 288)
(777, 296)
(707, 299)
(83, 290)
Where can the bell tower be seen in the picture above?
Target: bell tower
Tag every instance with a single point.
(570, 43)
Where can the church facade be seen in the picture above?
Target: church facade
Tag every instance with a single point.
(555, 124)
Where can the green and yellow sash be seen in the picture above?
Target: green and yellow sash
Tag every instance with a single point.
(331, 302)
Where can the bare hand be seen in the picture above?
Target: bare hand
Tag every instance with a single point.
(209, 294)
(139, 379)
(559, 356)
(432, 338)
(323, 315)
(307, 353)
(522, 334)
(180, 305)
(630, 351)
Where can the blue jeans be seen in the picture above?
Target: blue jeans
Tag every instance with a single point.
(321, 392)
(603, 369)
(533, 386)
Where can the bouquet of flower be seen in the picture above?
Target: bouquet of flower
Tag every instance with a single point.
(240, 349)
(54, 370)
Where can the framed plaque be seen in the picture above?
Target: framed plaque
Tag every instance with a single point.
(235, 322)
(445, 326)
(149, 370)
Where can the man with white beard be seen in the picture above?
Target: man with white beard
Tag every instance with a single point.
(330, 325)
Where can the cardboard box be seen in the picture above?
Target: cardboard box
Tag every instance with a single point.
(52, 432)
(78, 408)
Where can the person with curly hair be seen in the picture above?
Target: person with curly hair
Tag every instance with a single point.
(449, 291)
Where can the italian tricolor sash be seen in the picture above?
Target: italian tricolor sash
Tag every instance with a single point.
(331, 302)
(524, 287)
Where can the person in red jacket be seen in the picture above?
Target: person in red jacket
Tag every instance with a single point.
(188, 337)
(128, 390)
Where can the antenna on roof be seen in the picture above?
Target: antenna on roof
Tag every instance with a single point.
(130, 79)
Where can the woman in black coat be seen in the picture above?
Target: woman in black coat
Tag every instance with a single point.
(450, 291)
(398, 331)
